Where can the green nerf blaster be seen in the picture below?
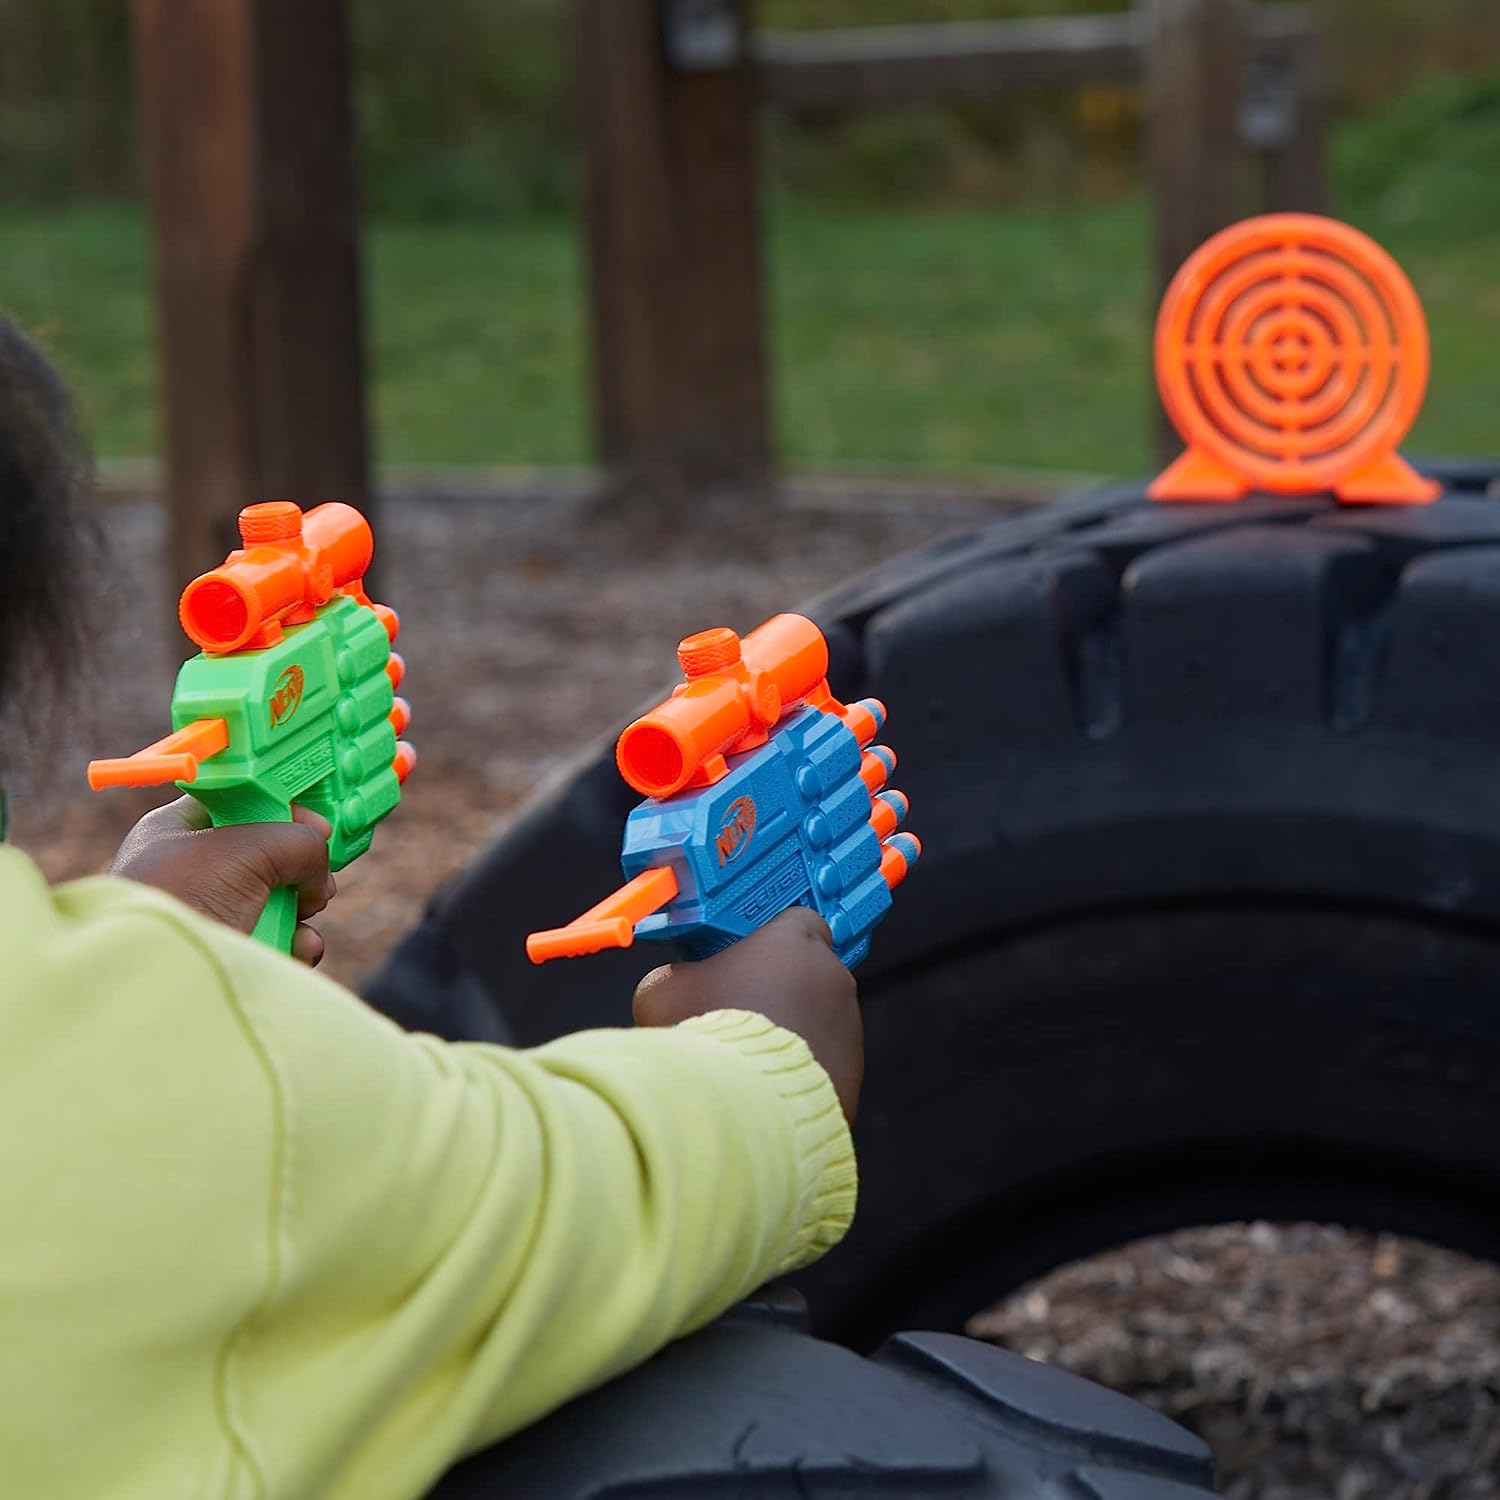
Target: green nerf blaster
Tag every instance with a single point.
(292, 698)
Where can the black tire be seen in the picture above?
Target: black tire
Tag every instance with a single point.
(754, 1408)
(1208, 920)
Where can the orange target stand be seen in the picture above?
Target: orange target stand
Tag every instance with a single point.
(1292, 357)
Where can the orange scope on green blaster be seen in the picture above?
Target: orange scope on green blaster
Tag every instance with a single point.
(290, 565)
(734, 693)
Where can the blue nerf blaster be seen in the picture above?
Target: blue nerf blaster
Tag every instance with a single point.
(763, 791)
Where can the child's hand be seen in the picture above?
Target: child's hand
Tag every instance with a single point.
(787, 972)
(229, 873)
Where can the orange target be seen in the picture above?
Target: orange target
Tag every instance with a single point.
(1291, 356)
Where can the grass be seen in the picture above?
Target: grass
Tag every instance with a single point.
(79, 282)
(475, 334)
(948, 340)
(958, 340)
(477, 344)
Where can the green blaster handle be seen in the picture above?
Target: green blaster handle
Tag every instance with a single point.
(292, 697)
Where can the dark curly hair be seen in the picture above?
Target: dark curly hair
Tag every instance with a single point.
(45, 530)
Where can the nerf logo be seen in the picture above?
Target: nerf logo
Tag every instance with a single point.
(287, 698)
(739, 824)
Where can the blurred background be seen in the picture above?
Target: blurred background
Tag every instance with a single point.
(927, 298)
(952, 288)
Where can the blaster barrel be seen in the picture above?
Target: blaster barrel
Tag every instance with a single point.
(290, 565)
(735, 692)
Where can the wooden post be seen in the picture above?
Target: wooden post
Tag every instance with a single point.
(1194, 69)
(667, 110)
(248, 136)
(1296, 171)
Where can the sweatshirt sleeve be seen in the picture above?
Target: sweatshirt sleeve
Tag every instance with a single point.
(461, 1237)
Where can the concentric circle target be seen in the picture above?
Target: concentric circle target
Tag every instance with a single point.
(1292, 351)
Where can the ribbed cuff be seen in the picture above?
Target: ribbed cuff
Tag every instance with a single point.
(828, 1180)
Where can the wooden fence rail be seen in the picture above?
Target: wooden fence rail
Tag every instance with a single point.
(884, 67)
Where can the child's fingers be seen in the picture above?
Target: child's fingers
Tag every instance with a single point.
(789, 973)
(309, 819)
(187, 813)
(307, 946)
(655, 995)
(172, 820)
(281, 854)
(737, 975)
(228, 873)
(310, 901)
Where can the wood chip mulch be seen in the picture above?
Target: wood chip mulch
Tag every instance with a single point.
(1319, 1364)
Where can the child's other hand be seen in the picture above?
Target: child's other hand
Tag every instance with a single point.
(787, 972)
(229, 873)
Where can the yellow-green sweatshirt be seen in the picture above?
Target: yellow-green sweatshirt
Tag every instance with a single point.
(257, 1241)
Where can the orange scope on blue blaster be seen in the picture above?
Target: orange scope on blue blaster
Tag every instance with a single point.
(735, 691)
